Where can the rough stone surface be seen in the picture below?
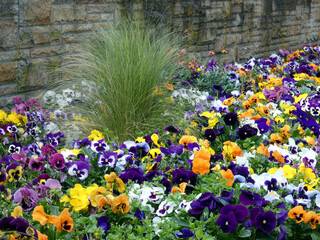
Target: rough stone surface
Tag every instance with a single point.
(38, 36)
(38, 11)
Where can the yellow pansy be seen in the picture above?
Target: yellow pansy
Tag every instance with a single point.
(95, 135)
(13, 118)
(301, 96)
(3, 116)
(261, 96)
(308, 172)
(289, 172)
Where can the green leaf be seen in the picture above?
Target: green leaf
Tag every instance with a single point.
(303, 82)
(304, 89)
(244, 233)
(315, 235)
(181, 222)
(199, 233)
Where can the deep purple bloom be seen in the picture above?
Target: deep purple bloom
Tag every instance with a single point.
(239, 211)
(282, 234)
(186, 233)
(262, 125)
(57, 161)
(282, 216)
(248, 198)
(104, 224)
(246, 132)
(171, 129)
(226, 196)
(84, 143)
(37, 164)
(27, 198)
(227, 222)
(80, 169)
(231, 119)
(206, 200)
(210, 135)
(134, 174)
(272, 185)
(266, 221)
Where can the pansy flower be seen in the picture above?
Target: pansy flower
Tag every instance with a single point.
(27, 198)
(14, 147)
(37, 164)
(64, 221)
(107, 159)
(57, 161)
(227, 222)
(80, 169)
(104, 225)
(121, 204)
(297, 213)
(312, 218)
(99, 146)
(186, 233)
(14, 171)
(165, 208)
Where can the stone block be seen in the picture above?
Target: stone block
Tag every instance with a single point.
(38, 12)
(45, 51)
(106, 17)
(7, 9)
(75, 38)
(80, 13)
(34, 75)
(94, 8)
(62, 14)
(8, 72)
(8, 34)
(41, 35)
(7, 89)
(94, 17)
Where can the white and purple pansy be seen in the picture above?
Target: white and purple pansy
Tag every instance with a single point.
(107, 159)
(14, 148)
(99, 146)
(165, 208)
(80, 169)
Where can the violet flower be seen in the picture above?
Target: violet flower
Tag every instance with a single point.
(57, 161)
(227, 222)
(27, 198)
(186, 233)
(80, 169)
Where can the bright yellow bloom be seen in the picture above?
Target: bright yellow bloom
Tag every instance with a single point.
(289, 172)
(3, 116)
(301, 96)
(308, 172)
(13, 118)
(95, 135)
(17, 212)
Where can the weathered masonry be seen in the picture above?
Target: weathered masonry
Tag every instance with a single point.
(36, 36)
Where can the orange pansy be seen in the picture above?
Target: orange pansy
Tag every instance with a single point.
(40, 216)
(180, 189)
(278, 156)
(297, 213)
(201, 166)
(262, 149)
(202, 153)
(121, 204)
(185, 140)
(276, 138)
(94, 193)
(312, 218)
(64, 221)
(227, 175)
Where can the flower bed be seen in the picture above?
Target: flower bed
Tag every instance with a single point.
(241, 165)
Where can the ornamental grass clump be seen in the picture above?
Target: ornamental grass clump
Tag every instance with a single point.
(124, 70)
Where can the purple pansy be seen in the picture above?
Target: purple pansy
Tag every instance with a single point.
(107, 159)
(57, 161)
(80, 169)
(227, 222)
(186, 233)
(99, 146)
(27, 198)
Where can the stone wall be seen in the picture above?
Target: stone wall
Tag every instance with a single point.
(36, 36)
